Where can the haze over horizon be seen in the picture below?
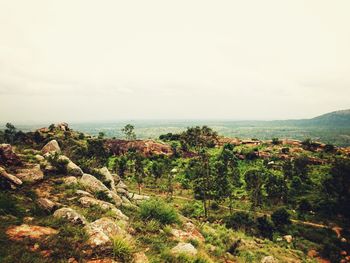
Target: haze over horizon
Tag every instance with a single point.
(112, 60)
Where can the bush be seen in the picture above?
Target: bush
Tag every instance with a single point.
(240, 220)
(281, 217)
(158, 210)
(265, 227)
(192, 209)
(304, 206)
(9, 205)
(122, 249)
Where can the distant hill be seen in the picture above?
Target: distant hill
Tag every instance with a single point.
(335, 118)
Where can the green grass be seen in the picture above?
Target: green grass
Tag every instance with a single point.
(159, 210)
(122, 249)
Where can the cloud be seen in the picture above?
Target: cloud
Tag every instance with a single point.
(183, 59)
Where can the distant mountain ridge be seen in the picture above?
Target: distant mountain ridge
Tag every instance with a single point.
(337, 118)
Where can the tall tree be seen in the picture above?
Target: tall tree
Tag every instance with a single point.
(254, 179)
(128, 131)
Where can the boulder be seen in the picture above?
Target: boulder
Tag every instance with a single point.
(13, 180)
(39, 158)
(51, 147)
(83, 193)
(8, 156)
(189, 232)
(107, 177)
(70, 180)
(70, 215)
(137, 197)
(90, 201)
(71, 168)
(46, 204)
(184, 248)
(101, 233)
(140, 257)
(288, 238)
(30, 174)
(92, 184)
(269, 259)
(102, 260)
(122, 191)
(32, 232)
(122, 185)
(116, 198)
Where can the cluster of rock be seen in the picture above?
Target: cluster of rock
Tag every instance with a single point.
(100, 232)
(145, 147)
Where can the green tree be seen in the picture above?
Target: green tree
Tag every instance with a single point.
(198, 138)
(276, 188)
(10, 133)
(254, 180)
(337, 185)
(203, 182)
(128, 131)
(101, 135)
(226, 174)
(281, 218)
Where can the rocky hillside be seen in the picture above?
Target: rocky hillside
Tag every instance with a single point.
(62, 200)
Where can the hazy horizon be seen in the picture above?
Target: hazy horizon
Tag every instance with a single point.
(88, 61)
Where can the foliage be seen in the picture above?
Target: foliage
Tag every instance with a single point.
(254, 179)
(192, 209)
(158, 210)
(198, 138)
(240, 220)
(281, 218)
(122, 249)
(128, 131)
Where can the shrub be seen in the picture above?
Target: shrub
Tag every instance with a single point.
(214, 206)
(281, 217)
(275, 141)
(265, 227)
(240, 220)
(122, 249)
(9, 205)
(304, 205)
(192, 209)
(158, 210)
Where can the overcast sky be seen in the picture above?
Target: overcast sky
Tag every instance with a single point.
(72, 60)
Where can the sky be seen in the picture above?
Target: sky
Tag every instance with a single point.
(84, 60)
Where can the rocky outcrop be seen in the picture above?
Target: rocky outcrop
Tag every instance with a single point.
(184, 248)
(46, 204)
(269, 259)
(70, 215)
(90, 201)
(137, 198)
(189, 232)
(145, 147)
(12, 180)
(7, 156)
(51, 147)
(108, 178)
(140, 257)
(24, 232)
(93, 185)
(70, 167)
(31, 174)
(101, 233)
(70, 180)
